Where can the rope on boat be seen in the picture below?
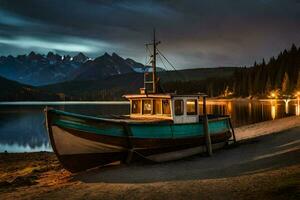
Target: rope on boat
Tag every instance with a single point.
(180, 74)
(141, 155)
(162, 62)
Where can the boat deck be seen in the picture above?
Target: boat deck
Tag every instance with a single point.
(144, 119)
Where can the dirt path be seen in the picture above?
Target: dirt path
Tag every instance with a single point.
(267, 167)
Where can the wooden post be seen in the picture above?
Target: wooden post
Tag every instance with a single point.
(206, 129)
(232, 129)
(129, 156)
(129, 144)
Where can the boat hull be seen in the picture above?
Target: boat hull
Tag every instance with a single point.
(82, 142)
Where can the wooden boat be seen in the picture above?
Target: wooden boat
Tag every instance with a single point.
(160, 127)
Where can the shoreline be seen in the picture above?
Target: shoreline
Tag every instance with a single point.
(44, 103)
(265, 164)
(255, 130)
(121, 102)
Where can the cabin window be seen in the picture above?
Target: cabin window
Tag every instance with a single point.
(147, 106)
(178, 104)
(191, 107)
(135, 107)
(166, 107)
(157, 107)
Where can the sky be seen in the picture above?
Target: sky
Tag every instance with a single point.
(200, 33)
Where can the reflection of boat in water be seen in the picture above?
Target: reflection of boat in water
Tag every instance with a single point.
(160, 127)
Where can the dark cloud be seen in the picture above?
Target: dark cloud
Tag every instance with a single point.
(194, 33)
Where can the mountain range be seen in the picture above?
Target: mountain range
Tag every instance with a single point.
(37, 69)
(62, 77)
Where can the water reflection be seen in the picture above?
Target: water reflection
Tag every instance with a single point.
(22, 127)
(248, 112)
(286, 101)
(273, 109)
(249, 109)
(229, 107)
(297, 107)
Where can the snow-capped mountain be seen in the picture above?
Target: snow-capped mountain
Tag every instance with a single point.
(36, 69)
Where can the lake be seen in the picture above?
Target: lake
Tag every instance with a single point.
(22, 124)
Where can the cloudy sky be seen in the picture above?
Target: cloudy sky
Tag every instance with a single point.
(200, 33)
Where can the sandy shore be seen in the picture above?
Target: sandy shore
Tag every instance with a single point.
(267, 127)
(264, 167)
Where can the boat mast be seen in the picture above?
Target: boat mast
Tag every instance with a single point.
(154, 43)
(154, 63)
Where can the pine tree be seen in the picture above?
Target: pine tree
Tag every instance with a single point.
(263, 63)
(268, 87)
(257, 81)
(298, 82)
(285, 83)
(293, 49)
(250, 84)
(278, 78)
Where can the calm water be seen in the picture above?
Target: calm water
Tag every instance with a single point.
(22, 126)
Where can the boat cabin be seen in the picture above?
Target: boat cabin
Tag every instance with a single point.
(178, 108)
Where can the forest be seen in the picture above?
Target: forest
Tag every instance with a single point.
(280, 75)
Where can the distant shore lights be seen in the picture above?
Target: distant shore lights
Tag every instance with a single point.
(274, 94)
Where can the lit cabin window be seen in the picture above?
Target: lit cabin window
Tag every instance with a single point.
(135, 107)
(157, 107)
(191, 107)
(166, 107)
(147, 106)
(178, 105)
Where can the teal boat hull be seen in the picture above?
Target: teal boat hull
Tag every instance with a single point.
(82, 142)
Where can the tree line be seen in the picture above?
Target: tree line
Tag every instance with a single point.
(279, 74)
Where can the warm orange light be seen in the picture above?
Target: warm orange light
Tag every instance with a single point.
(274, 94)
(190, 102)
